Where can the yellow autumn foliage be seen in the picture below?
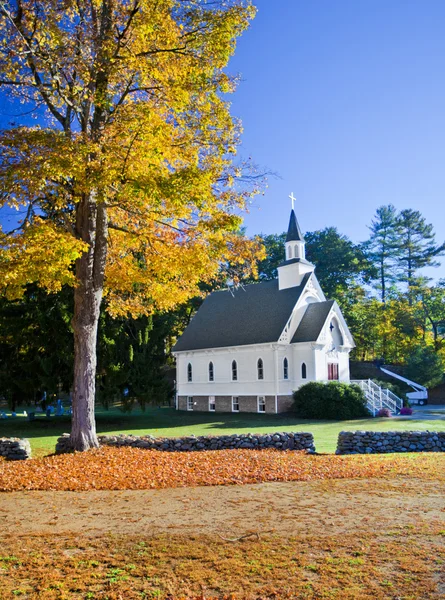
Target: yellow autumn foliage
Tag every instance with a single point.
(135, 113)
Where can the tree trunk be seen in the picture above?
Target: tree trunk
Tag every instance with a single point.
(382, 279)
(92, 224)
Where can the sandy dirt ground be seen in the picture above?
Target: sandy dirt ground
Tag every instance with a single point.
(293, 508)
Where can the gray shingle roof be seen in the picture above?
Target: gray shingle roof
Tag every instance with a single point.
(312, 322)
(292, 261)
(293, 231)
(256, 314)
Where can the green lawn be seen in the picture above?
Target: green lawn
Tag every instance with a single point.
(43, 432)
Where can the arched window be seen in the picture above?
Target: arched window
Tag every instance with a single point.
(211, 372)
(303, 371)
(285, 369)
(260, 368)
(289, 252)
(296, 250)
(234, 370)
(189, 372)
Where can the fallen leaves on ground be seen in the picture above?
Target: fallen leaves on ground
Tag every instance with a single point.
(110, 468)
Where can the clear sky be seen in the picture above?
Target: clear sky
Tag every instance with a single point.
(345, 101)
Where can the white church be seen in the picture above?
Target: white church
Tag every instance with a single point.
(248, 348)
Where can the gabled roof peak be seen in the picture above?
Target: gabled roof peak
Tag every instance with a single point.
(294, 232)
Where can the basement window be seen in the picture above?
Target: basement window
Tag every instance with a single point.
(261, 404)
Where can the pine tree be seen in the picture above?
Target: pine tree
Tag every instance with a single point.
(417, 248)
(383, 247)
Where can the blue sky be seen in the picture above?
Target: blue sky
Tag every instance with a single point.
(345, 100)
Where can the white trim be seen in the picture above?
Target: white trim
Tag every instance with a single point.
(237, 402)
(214, 403)
(189, 400)
(258, 404)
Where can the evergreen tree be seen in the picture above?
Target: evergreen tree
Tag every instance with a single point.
(382, 248)
(36, 347)
(417, 248)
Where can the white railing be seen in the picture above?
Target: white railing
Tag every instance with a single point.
(377, 397)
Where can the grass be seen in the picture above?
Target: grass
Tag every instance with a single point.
(43, 432)
(406, 563)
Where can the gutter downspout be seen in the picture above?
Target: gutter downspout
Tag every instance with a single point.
(276, 378)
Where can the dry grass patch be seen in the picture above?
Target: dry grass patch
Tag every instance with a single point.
(406, 564)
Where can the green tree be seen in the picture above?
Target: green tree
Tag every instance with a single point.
(340, 263)
(36, 345)
(433, 303)
(133, 356)
(418, 248)
(425, 366)
(274, 248)
(382, 248)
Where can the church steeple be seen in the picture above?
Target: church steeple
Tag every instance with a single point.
(295, 265)
(294, 238)
(293, 231)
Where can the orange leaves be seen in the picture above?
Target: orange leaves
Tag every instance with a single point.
(132, 468)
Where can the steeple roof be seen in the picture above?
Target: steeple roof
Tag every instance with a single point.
(293, 232)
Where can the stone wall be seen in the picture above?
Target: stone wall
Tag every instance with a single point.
(374, 442)
(280, 441)
(15, 448)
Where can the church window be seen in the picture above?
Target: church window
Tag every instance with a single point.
(260, 368)
(212, 404)
(303, 371)
(285, 369)
(296, 250)
(189, 402)
(189, 372)
(289, 252)
(261, 404)
(211, 372)
(234, 370)
(332, 371)
(235, 403)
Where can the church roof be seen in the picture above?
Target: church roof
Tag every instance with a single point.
(292, 261)
(293, 231)
(255, 314)
(313, 321)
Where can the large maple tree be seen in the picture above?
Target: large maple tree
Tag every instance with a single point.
(127, 183)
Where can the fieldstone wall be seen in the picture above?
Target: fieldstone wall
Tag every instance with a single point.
(281, 441)
(374, 442)
(15, 448)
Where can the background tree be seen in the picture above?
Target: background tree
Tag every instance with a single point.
(382, 248)
(340, 263)
(128, 177)
(433, 303)
(425, 367)
(274, 249)
(417, 248)
(36, 346)
(132, 360)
